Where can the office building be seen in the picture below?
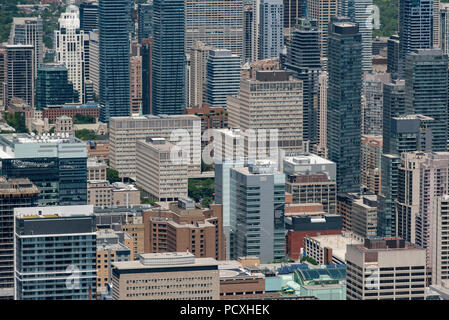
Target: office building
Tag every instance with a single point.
(113, 24)
(444, 27)
(309, 225)
(271, 24)
(406, 134)
(393, 106)
(293, 10)
(161, 173)
(168, 64)
(69, 47)
(53, 86)
(110, 248)
(323, 84)
(372, 93)
(415, 28)
(101, 193)
(360, 12)
(311, 179)
(68, 276)
(422, 177)
(393, 56)
(370, 163)
(222, 77)
(135, 84)
(211, 118)
(322, 11)
(88, 16)
(364, 216)
(273, 100)
(134, 227)
(329, 249)
(20, 73)
(440, 227)
(217, 23)
(94, 61)
(144, 20)
(163, 276)
(96, 170)
(29, 31)
(55, 164)
(124, 132)
(303, 57)
(257, 212)
(249, 23)
(146, 51)
(14, 193)
(428, 69)
(388, 268)
(198, 71)
(344, 103)
(52, 112)
(182, 226)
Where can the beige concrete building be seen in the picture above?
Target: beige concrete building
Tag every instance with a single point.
(197, 75)
(161, 173)
(322, 11)
(272, 101)
(440, 241)
(109, 249)
(385, 269)
(422, 177)
(64, 126)
(135, 84)
(217, 23)
(364, 216)
(321, 147)
(327, 249)
(184, 227)
(101, 193)
(166, 276)
(124, 132)
(370, 163)
(134, 227)
(96, 170)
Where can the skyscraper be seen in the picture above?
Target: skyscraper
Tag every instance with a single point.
(217, 23)
(249, 16)
(14, 193)
(20, 73)
(444, 28)
(372, 95)
(113, 22)
(293, 10)
(53, 86)
(415, 27)
(257, 212)
(146, 51)
(168, 57)
(344, 103)
(144, 20)
(68, 276)
(303, 57)
(426, 69)
(271, 23)
(360, 12)
(55, 164)
(88, 16)
(222, 76)
(69, 47)
(322, 11)
(393, 56)
(29, 31)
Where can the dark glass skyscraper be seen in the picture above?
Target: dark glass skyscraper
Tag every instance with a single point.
(344, 102)
(168, 57)
(303, 57)
(88, 16)
(144, 21)
(426, 91)
(114, 22)
(53, 86)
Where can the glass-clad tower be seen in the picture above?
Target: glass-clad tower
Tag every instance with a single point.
(113, 22)
(168, 57)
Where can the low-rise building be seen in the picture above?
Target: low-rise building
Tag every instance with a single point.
(166, 276)
(96, 170)
(101, 193)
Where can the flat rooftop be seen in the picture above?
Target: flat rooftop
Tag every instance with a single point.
(338, 243)
(54, 212)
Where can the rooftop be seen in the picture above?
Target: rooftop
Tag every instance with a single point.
(54, 212)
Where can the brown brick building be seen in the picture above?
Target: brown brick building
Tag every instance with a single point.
(53, 112)
(183, 227)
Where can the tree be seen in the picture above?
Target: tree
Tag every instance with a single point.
(112, 175)
(206, 202)
(86, 134)
(17, 121)
(83, 119)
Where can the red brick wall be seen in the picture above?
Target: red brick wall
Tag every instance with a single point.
(295, 240)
